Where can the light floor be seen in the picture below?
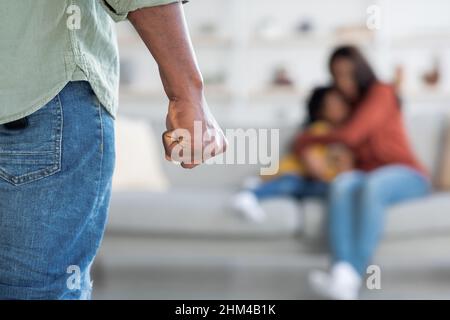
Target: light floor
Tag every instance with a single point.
(168, 270)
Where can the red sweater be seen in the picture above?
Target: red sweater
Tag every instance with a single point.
(376, 133)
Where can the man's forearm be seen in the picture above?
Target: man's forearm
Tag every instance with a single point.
(164, 31)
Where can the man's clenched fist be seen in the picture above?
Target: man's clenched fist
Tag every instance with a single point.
(193, 135)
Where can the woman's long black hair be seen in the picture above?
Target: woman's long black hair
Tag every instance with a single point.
(364, 75)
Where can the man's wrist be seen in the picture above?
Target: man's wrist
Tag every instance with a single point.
(187, 90)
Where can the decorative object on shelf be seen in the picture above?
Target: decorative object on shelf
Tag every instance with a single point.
(210, 34)
(270, 29)
(431, 78)
(281, 78)
(305, 26)
(208, 29)
(399, 78)
(214, 78)
(354, 33)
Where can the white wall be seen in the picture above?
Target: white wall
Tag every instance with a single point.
(414, 33)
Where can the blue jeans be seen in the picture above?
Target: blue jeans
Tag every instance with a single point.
(55, 185)
(291, 185)
(357, 205)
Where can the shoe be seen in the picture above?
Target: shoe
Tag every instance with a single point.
(246, 203)
(341, 283)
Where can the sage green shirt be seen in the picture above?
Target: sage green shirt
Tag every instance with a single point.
(44, 44)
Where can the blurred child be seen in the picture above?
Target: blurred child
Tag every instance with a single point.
(327, 110)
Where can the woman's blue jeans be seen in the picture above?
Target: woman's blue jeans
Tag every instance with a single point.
(55, 185)
(357, 205)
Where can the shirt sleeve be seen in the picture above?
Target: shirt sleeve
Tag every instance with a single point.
(119, 9)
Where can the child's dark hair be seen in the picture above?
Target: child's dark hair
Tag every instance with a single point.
(315, 104)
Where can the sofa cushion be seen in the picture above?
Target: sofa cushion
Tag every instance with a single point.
(196, 213)
(426, 131)
(138, 165)
(428, 216)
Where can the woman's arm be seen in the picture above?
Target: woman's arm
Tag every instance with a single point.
(165, 33)
(380, 104)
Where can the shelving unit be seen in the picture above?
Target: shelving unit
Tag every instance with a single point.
(238, 56)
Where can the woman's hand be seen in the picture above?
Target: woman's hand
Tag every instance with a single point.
(316, 164)
(341, 158)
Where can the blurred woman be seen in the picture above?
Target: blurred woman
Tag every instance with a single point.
(387, 173)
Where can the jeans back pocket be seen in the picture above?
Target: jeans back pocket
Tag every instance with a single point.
(34, 151)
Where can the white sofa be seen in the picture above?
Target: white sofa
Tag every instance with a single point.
(196, 207)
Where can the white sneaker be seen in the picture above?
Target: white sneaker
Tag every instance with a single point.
(342, 283)
(246, 203)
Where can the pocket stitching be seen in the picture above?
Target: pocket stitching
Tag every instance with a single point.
(50, 170)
